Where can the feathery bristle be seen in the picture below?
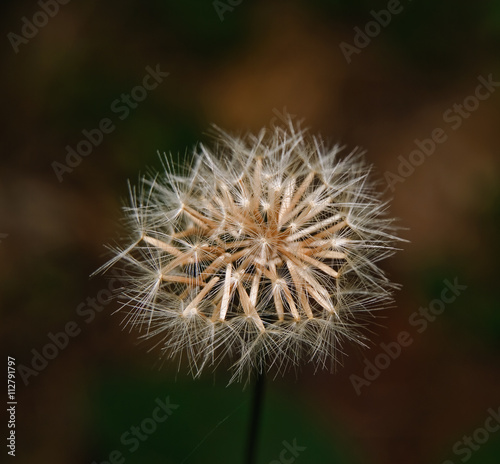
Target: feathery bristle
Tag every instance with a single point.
(264, 252)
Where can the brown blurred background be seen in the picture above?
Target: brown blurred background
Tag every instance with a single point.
(242, 65)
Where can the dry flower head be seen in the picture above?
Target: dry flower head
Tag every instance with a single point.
(263, 251)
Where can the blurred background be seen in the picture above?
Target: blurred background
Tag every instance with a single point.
(241, 64)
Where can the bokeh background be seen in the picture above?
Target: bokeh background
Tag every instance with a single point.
(242, 65)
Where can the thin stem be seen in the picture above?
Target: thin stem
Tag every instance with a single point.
(253, 435)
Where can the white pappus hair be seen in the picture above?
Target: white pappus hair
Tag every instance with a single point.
(264, 251)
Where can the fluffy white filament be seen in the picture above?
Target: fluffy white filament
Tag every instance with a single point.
(264, 252)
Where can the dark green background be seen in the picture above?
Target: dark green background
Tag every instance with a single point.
(239, 73)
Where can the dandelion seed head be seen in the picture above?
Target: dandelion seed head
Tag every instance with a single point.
(263, 252)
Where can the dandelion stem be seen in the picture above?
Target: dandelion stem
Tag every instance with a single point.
(253, 435)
